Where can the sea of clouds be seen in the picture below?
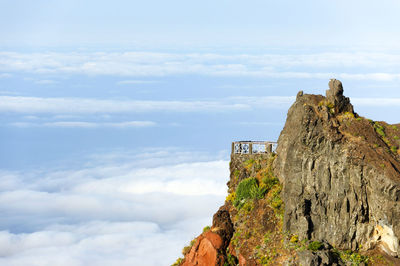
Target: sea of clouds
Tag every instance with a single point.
(120, 208)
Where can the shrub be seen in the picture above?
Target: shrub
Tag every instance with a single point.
(294, 239)
(269, 181)
(207, 228)
(231, 197)
(186, 249)
(248, 189)
(353, 257)
(178, 262)
(314, 246)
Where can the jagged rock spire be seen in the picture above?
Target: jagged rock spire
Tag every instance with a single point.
(336, 97)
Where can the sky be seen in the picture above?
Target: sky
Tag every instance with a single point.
(117, 117)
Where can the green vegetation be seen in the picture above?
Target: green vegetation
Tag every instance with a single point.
(348, 115)
(331, 106)
(206, 229)
(267, 237)
(314, 246)
(230, 259)
(178, 262)
(294, 239)
(269, 180)
(393, 149)
(248, 189)
(186, 249)
(349, 256)
(231, 197)
(379, 129)
(276, 201)
(381, 132)
(235, 239)
(249, 163)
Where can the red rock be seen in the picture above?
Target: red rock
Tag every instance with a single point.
(242, 260)
(206, 251)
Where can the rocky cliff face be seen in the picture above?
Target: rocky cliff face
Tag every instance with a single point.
(330, 194)
(340, 174)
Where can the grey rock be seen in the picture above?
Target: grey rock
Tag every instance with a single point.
(333, 187)
(316, 258)
(335, 96)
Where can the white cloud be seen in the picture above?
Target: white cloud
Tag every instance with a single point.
(358, 65)
(91, 106)
(5, 75)
(130, 82)
(134, 208)
(80, 124)
(376, 102)
(46, 82)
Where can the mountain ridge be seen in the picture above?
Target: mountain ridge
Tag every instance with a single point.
(328, 196)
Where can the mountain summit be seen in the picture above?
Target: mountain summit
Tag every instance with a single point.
(328, 195)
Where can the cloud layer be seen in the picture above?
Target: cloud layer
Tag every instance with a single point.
(20, 104)
(353, 65)
(111, 211)
(81, 124)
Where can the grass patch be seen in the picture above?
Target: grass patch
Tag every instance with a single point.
(314, 246)
(248, 189)
(379, 129)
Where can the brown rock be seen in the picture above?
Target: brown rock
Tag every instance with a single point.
(206, 251)
(242, 260)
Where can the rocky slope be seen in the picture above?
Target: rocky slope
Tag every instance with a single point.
(329, 196)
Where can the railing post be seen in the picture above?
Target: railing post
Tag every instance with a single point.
(250, 148)
(269, 148)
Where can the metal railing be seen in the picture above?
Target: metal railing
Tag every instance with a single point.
(253, 147)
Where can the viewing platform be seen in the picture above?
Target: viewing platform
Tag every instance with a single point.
(253, 147)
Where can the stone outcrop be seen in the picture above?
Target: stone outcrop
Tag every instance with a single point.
(209, 248)
(335, 96)
(330, 193)
(341, 182)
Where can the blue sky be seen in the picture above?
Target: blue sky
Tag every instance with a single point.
(117, 117)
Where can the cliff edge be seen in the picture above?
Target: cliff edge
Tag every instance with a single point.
(328, 196)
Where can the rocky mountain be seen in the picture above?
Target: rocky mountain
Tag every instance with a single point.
(329, 195)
